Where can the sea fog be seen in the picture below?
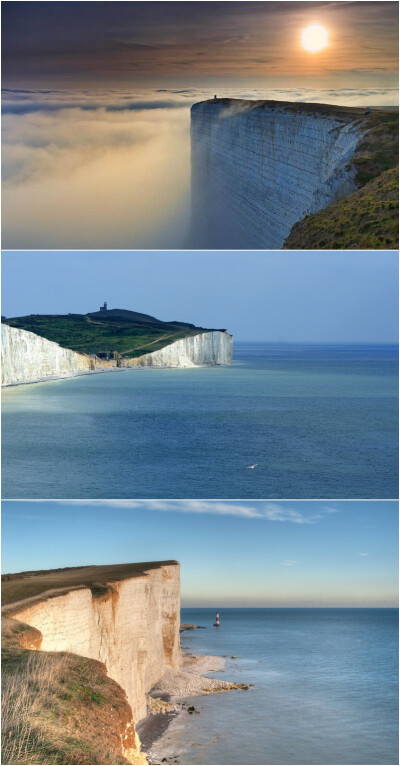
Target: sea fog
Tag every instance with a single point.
(111, 168)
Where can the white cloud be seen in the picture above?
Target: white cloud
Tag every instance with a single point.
(363, 554)
(276, 512)
(288, 563)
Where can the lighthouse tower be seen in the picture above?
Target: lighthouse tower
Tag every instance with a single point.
(216, 623)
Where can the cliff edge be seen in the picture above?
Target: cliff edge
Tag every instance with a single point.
(27, 357)
(115, 631)
(260, 167)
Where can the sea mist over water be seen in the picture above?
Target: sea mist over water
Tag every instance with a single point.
(102, 174)
(110, 169)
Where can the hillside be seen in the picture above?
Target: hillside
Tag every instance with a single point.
(58, 708)
(368, 218)
(127, 333)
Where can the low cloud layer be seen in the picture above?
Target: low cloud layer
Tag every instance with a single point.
(96, 173)
(110, 169)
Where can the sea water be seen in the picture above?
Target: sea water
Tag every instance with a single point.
(325, 688)
(319, 420)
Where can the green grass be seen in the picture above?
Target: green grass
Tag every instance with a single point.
(366, 219)
(378, 150)
(58, 708)
(16, 587)
(127, 333)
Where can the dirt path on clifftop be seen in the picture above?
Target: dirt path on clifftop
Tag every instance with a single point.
(8, 609)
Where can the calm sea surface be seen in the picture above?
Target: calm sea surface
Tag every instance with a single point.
(325, 688)
(320, 421)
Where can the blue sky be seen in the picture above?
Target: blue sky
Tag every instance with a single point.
(235, 553)
(273, 296)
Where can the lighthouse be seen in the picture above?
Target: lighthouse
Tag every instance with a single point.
(216, 623)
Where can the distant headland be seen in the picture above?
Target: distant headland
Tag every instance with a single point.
(41, 346)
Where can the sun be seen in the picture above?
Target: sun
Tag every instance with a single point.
(314, 38)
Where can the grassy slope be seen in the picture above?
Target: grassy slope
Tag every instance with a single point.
(368, 218)
(57, 708)
(113, 331)
(16, 587)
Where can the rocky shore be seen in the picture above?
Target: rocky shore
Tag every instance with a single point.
(169, 699)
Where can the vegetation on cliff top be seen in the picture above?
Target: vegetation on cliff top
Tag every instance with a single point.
(368, 219)
(22, 585)
(128, 333)
(58, 708)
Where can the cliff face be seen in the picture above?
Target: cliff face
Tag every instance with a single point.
(133, 628)
(196, 350)
(258, 168)
(28, 357)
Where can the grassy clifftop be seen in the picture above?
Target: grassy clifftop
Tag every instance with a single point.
(16, 587)
(128, 333)
(368, 218)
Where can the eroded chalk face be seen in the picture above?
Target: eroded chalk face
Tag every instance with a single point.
(133, 628)
(257, 169)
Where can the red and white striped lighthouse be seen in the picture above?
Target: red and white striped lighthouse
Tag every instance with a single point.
(216, 623)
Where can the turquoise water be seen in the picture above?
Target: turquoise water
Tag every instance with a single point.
(325, 688)
(320, 421)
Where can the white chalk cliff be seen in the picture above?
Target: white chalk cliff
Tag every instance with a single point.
(258, 168)
(26, 357)
(206, 348)
(133, 629)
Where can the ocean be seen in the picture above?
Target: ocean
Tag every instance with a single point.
(325, 688)
(319, 420)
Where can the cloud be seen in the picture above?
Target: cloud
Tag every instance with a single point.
(288, 563)
(267, 511)
(363, 554)
(133, 106)
(110, 169)
(114, 174)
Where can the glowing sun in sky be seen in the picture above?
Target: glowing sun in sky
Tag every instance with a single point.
(314, 38)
